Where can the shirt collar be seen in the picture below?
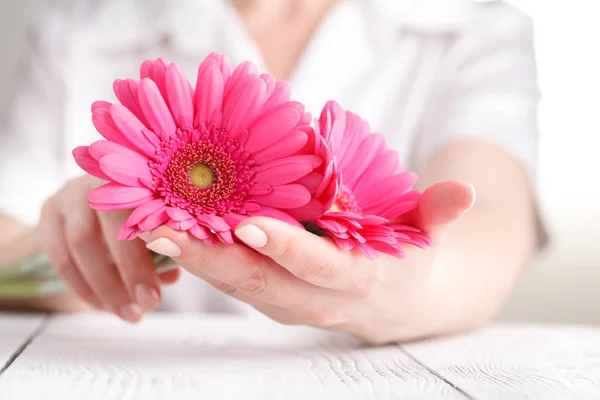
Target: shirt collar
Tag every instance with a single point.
(441, 16)
(136, 22)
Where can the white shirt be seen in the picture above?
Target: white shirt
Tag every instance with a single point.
(423, 72)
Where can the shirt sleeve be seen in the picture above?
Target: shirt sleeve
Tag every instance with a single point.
(30, 140)
(488, 92)
(488, 88)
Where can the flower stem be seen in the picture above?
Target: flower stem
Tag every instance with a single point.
(34, 277)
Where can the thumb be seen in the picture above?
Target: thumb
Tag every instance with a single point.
(440, 205)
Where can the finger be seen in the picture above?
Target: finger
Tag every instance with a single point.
(84, 239)
(311, 258)
(440, 205)
(54, 245)
(245, 272)
(170, 277)
(133, 261)
(315, 316)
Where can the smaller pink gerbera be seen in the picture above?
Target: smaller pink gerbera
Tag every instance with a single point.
(364, 187)
(200, 159)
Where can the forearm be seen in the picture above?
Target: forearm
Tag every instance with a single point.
(483, 253)
(475, 268)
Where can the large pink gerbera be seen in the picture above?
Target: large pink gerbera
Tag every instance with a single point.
(364, 188)
(203, 159)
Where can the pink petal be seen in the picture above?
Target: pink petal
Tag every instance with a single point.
(154, 220)
(119, 197)
(208, 97)
(233, 219)
(243, 106)
(104, 124)
(122, 206)
(180, 94)
(271, 128)
(125, 170)
(218, 60)
(144, 211)
(251, 206)
(287, 170)
(225, 237)
(155, 110)
(344, 244)
(368, 150)
(239, 73)
(178, 214)
(392, 250)
(375, 189)
(213, 222)
(260, 189)
(331, 225)
(329, 178)
(200, 232)
(88, 163)
(394, 211)
(270, 84)
(156, 71)
(182, 225)
(187, 224)
(280, 95)
(132, 129)
(128, 232)
(127, 93)
(103, 147)
(373, 220)
(284, 197)
(367, 250)
(308, 212)
(100, 104)
(347, 135)
(312, 181)
(277, 214)
(291, 144)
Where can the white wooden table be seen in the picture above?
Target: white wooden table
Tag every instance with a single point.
(88, 357)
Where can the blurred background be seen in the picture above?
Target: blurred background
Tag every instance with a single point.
(563, 284)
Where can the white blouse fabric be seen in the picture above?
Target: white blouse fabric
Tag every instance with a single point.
(424, 72)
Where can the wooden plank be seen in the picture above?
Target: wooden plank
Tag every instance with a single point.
(518, 362)
(192, 357)
(15, 333)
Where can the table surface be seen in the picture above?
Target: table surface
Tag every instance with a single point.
(169, 356)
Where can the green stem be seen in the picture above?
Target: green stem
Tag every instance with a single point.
(34, 277)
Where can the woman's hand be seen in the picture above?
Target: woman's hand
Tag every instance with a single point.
(116, 276)
(296, 277)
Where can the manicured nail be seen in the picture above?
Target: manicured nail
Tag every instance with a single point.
(252, 235)
(145, 236)
(472, 201)
(131, 313)
(146, 296)
(165, 247)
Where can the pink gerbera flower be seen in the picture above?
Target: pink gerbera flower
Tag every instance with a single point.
(364, 187)
(203, 159)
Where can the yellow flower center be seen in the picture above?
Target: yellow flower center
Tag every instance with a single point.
(202, 175)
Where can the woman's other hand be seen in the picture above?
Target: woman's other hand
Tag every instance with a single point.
(112, 275)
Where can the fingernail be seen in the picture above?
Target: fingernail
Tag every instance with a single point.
(473, 200)
(147, 297)
(165, 247)
(145, 236)
(252, 235)
(131, 313)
